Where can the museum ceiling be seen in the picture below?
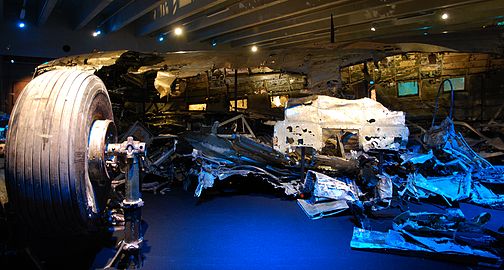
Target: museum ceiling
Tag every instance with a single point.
(277, 24)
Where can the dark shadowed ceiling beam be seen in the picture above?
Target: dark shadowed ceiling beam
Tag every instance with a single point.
(385, 30)
(278, 12)
(400, 12)
(166, 15)
(318, 16)
(129, 13)
(46, 11)
(236, 10)
(89, 10)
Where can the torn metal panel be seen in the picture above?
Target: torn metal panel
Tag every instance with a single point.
(444, 138)
(384, 188)
(451, 188)
(305, 118)
(451, 224)
(454, 188)
(495, 142)
(288, 135)
(323, 186)
(329, 195)
(219, 158)
(493, 175)
(483, 196)
(87, 62)
(322, 209)
(428, 221)
(416, 158)
(406, 243)
(163, 82)
(347, 166)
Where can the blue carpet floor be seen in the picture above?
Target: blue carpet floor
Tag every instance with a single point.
(260, 231)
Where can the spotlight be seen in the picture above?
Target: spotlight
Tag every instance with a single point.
(254, 48)
(12, 61)
(178, 31)
(373, 28)
(444, 16)
(161, 39)
(96, 33)
(21, 25)
(445, 32)
(214, 43)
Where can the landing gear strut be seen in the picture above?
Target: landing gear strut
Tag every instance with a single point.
(128, 251)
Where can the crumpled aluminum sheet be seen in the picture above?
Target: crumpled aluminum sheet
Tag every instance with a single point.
(429, 221)
(449, 152)
(220, 158)
(377, 126)
(444, 138)
(163, 82)
(324, 186)
(322, 209)
(404, 242)
(330, 196)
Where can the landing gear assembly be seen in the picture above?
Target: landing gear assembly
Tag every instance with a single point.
(61, 151)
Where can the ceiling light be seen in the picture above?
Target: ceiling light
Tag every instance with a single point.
(161, 39)
(21, 25)
(445, 32)
(214, 43)
(425, 33)
(254, 48)
(96, 33)
(12, 61)
(373, 29)
(444, 16)
(178, 31)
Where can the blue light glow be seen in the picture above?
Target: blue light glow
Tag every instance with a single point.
(424, 28)
(161, 39)
(21, 25)
(407, 88)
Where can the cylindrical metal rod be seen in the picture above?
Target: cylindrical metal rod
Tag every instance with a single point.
(132, 180)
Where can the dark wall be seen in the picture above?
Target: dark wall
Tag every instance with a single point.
(15, 73)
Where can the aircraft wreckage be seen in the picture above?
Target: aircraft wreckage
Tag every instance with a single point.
(330, 154)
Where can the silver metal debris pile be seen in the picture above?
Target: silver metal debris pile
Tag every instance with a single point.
(219, 158)
(335, 155)
(433, 234)
(450, 169)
